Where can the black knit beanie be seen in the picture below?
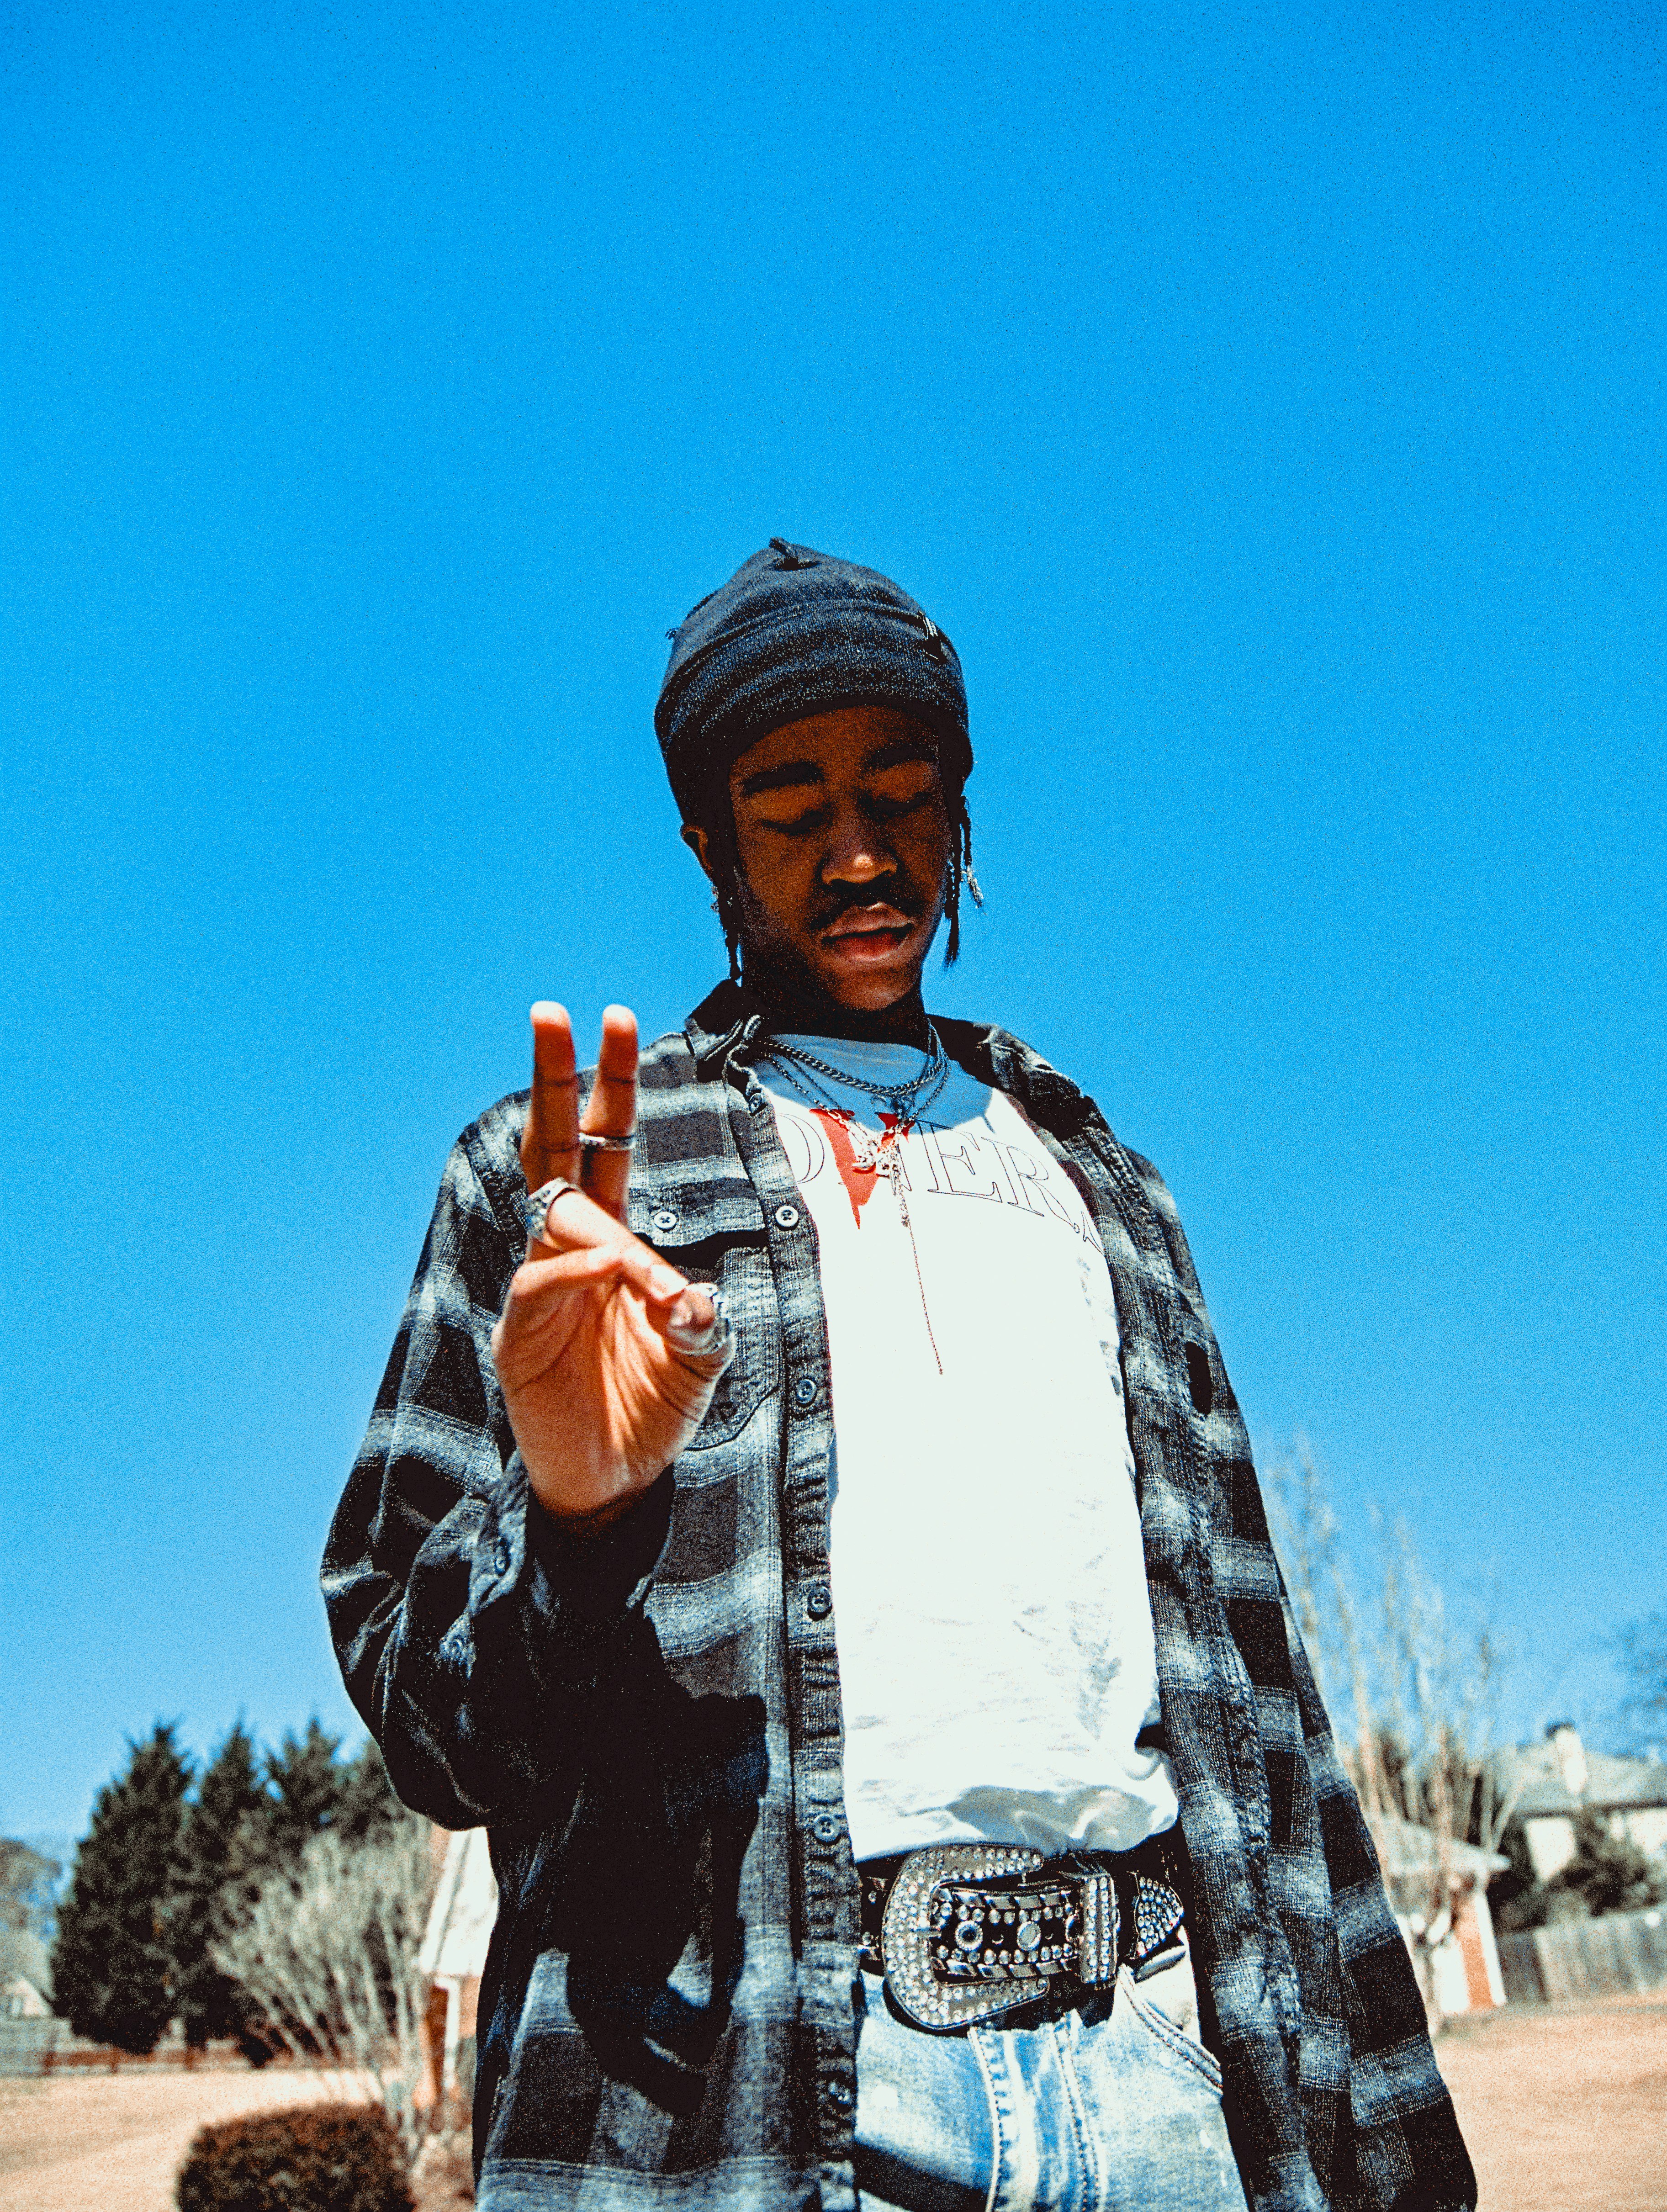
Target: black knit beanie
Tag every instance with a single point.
(793, 633)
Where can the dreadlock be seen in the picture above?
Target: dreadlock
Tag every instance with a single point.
(960, 872)
(726, 877)
(726, 871)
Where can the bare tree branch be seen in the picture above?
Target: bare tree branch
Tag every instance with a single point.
(327, 1957)
(1411, 1698)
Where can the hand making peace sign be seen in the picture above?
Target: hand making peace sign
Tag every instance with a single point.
(608, 1356)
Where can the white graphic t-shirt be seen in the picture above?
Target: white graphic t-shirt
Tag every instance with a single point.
(993, 1629)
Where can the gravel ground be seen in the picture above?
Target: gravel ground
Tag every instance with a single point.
(1565, 2109)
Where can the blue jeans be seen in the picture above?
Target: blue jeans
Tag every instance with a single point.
(1116, 2105)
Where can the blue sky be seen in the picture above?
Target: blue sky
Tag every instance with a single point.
(1267, 403)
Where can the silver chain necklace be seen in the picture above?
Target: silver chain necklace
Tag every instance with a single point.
(902, 1098)
(871, 1154)
(872, 1151)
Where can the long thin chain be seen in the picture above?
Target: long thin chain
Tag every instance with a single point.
(875, 1155)
(897, 1095)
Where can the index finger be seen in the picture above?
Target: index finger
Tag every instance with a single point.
(550, 1144)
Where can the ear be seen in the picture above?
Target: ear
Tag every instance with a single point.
(695, 839)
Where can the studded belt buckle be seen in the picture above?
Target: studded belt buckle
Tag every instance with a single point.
(973, 1930)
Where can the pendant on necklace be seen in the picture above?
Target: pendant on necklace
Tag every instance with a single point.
(882, 1155)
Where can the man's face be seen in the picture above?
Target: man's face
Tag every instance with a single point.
(843, 841)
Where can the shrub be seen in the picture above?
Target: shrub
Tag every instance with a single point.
(306, 2158)
(1607, 1873)
(325, 1957)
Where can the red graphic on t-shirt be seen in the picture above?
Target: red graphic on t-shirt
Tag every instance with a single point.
(860, 1183)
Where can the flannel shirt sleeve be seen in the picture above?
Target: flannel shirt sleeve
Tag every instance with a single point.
(469, 1626)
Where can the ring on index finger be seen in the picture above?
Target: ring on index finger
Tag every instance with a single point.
(592, 1140)
(539, 1201)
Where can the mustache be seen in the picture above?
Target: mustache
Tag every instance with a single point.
(852, 898)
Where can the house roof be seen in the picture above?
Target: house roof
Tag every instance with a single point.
(1534, 1772)
(1409, 1849)
(22, 1951)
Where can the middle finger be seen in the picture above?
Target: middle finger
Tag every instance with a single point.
(611, 1110)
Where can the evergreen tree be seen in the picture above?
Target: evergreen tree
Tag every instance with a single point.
(303, 1795)
(113, 1967)
(212, 1867)
(366, 1810)
(310, 1788)
(1515, 1896)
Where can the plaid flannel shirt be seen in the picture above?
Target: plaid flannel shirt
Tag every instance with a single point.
(648, 1722)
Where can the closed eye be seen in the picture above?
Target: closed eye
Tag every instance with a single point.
(818, 817)
(798, 825)
(891, 810)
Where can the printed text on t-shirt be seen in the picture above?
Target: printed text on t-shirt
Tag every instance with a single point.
(934, 1159)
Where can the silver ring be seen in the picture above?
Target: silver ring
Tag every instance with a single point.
(719, 1338)
(539, 1201)
(599, 1144)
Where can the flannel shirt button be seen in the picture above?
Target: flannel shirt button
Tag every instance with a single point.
(825, 1828)
(787, 1217)
(804, 1391)
(663, 1218)
(841, 2096)
(818, 1603)
(501, 1556)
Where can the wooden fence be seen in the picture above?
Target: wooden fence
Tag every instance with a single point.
(1608, 1957)
(48, 2046)
(27, 2045)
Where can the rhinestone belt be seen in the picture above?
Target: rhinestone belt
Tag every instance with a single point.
(964, 1932)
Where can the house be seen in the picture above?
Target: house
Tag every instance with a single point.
(26, 1878)
(452, 1959)
(26, 1978)
(1552, 1782)
(1464, 1958)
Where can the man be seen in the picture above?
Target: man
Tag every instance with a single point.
(806, 1519)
